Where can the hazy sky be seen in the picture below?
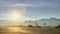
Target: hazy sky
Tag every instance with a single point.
(33, 8)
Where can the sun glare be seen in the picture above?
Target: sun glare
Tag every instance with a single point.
(17, 29)
(15, 15)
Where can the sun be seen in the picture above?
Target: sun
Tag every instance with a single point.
(15, 16)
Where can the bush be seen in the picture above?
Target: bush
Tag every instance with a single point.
(58, 26)
(38, 26)
(30, 26)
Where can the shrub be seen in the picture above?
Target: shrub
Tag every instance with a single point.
(38, 26)
(30, 26)
(58, 26)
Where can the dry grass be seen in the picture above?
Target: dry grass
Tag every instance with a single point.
(29, 30)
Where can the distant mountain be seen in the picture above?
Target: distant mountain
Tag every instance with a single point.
(49, 22)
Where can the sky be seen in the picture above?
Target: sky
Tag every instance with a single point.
(35, 9)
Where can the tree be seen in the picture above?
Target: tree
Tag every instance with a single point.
(30, 26)
(37, 24)
(58, 26)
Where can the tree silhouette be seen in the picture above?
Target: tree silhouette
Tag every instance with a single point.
(37, 24)
(58, 26)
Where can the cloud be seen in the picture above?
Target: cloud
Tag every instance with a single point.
(25, 5)
(21, 5)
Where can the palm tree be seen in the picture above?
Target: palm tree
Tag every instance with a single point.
(36, 23)
(44, 24)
